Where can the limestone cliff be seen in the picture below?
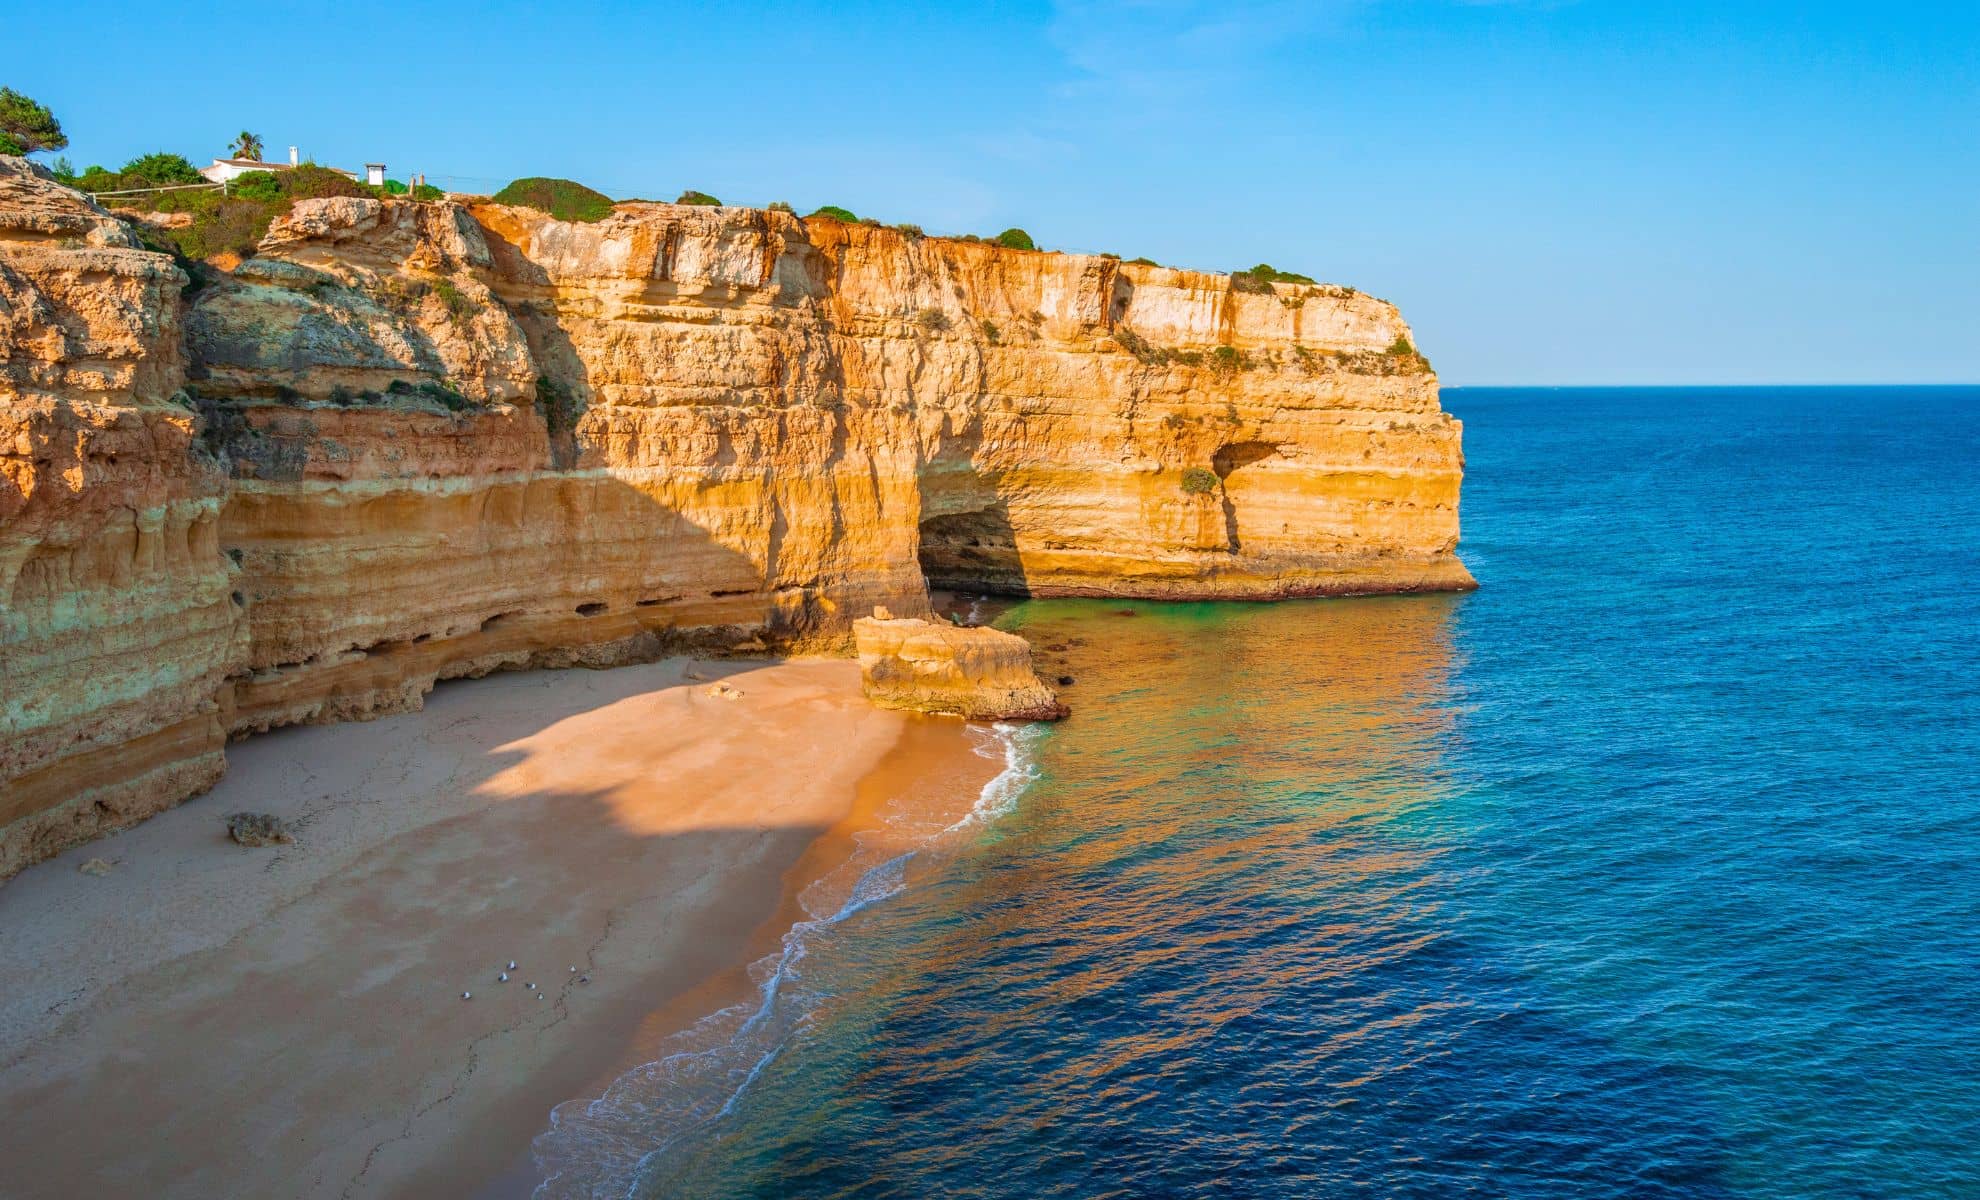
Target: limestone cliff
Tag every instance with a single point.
(407, 442)
(936, 667)
(119, 623)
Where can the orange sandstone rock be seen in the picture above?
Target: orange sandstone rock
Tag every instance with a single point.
(935, 667)
(408, 442)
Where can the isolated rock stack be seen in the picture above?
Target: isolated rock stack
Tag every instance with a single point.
(934, 667)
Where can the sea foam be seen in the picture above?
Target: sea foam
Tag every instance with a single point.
(599, 1148)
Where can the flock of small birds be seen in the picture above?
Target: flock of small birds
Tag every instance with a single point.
(503, 977)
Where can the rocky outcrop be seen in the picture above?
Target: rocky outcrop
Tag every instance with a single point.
(950, 670)
(119, 614)
(407, 442)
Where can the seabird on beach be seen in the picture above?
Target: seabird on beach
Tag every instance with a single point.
(512, 964)
(530, 986)
(467, 995)
(503, 977)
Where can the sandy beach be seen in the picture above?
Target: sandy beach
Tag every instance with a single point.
(211, 1020)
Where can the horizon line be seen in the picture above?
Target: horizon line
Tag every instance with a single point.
(1452, 387)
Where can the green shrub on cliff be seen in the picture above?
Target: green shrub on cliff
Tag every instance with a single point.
(311, 182)
(1199, 481)
(556, 404)
(163, 170)
(1261, 278)
(563, 199)
(256, 185)
(1016, 239)
(1407, 358)
(26, 127)
(693, 197)
(441, 393)
(1228, 360)
(459, 307)
(222, 224)
(144, 171)
(833, 212)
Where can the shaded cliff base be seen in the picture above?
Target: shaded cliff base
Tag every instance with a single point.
(204, 1019)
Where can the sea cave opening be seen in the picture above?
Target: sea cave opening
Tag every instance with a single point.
(972, 551)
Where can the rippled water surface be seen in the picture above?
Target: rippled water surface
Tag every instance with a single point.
(1647, 870)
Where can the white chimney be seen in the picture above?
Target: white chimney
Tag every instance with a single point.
(292, 156)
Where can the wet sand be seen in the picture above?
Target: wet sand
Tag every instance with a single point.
(210, 1020)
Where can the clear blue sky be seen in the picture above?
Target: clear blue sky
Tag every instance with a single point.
(1602, 191)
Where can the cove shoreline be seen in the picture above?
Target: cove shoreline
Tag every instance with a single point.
(289, 1021)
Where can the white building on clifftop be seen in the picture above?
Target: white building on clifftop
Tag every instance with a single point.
(225, 169)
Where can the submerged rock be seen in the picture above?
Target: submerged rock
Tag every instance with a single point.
(977, 672)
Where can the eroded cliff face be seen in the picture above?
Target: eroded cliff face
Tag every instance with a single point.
(119, 625)
(407, 442)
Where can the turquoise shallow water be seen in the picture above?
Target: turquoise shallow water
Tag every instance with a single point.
(1650, 869)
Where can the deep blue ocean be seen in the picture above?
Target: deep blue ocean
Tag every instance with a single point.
(1652, 868)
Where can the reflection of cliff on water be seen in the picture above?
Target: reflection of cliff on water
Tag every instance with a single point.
(1222, 947)
(1214, 720)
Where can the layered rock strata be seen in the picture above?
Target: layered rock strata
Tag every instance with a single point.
(407, 442)
(934, 667)
(120, 622)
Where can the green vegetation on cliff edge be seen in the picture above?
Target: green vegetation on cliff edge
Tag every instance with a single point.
(563, 199)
